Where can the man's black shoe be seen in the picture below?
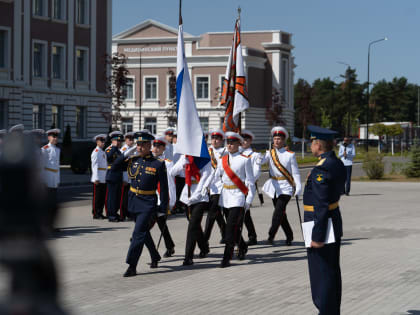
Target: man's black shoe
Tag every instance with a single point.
(252, 241)
(289, 241)
(154, 264)
(187, 262)
(103, 217)
(114, 220)
(97, 217)
(270, 240)
(225, 263)
(222, 241)
(169, 252)
(131, 272)
(204, 253)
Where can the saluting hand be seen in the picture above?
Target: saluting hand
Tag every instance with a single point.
(317, 244)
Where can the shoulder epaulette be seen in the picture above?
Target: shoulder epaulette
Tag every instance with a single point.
(45, 146)
(322, 161)
(168, 160)
(247, 156)
(160, 160)
(96, 150)
(124, 149)
(290, 151)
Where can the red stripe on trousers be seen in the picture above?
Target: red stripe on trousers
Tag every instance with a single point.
(106, 201)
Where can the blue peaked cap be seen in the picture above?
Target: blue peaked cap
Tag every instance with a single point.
(321, 133)
(143, 136)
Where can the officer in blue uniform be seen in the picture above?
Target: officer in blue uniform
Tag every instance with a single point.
(114, 176)
(146, 174)
(321, 202)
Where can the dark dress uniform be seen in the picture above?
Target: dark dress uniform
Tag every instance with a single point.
(321, 195)
(144, 174)
(113, 181)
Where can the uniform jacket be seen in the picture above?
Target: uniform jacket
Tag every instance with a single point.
(124, 148)
(99, 165)
(169, 152)
(198, 190)
(255, 161)
(146, 174)
(216, 183)
(114, 172)
(273, 187)
(51, 165)
(351, 153)
(242, 167)
(323, 188)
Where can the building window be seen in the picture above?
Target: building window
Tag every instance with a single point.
(81, 64)
(126, 124)
(3, 48)
(129, 89)
(57, 117)
(58, 9)
(39, 62)
(40, 7)
(80, 121)
(37, 116)
(150, 124)
(204, 121)
(202, 87)
(3, 114)
(58, 62)
(171, 87)
(151, 88)
(82, 12)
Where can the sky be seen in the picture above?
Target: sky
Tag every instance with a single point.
(325, 32)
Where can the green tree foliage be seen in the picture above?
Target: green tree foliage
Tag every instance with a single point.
(413, 169)
(373, 165)
(304, 112)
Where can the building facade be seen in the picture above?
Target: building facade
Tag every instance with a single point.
(150, 49)
(52, 65)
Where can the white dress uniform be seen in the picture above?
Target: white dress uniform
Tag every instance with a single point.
(51, 161)
(99, 165)
(124, 148)
(198, 190)
(255, 161)
(275, 187)
(169, 152)
(242, 167)
(171, 183)
(216, 184)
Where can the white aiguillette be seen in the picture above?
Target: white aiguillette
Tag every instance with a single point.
(307, 233)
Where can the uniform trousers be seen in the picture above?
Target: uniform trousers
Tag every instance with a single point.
(141, 236)
(214, 214)
(163, 227)
(249, 223)
(124, 201)
(179, 186)
(348, 179)
(98, 201)
(233, 236)
(280, 217)
(195, 234)
(52, 208)
(325, 277)
(113, 199)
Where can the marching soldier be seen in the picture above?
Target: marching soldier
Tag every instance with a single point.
(216, 151)
(246, 149)
(159, 145)
(236, 196)
(321, 196)
(146, 174)
(113, 176)
(196, 198)
(284, 182)
(99, 166)
(129, 142)
(169, 150)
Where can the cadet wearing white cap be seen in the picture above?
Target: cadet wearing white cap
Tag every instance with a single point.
(216, 151)
(196, 198)
(16, 128)
(236, 196)
(99, 167)
(255, 157)
(159, 145)
(169, 150)
(284, 182)
(129, 143)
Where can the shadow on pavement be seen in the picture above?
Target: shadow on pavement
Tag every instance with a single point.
(356, 195)
(413, 312)
(81, 230)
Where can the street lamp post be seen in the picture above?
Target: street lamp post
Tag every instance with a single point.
(368, 96)
(348, 131)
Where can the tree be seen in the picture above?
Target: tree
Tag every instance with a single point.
(413, 169)
(274, 109)
(171, 110)
(393, 131)
(116, 86)
(379, 130)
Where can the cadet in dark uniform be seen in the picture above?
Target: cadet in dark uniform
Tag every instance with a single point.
(321, 195)
(145, 174)
(114, 176)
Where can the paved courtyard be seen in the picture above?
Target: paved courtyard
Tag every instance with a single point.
(380, 263)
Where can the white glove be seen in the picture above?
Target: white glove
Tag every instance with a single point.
(297, 193)
(160, 214)
(129, 151)
(186, 161)
(247, 206)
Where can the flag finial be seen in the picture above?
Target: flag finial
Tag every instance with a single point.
(180, 12)
(239, 12)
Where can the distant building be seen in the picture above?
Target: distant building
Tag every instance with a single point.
(407, 136)
(51, 64)
(151, 51)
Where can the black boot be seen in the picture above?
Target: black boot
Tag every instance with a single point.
(252, 241)
(169, 252)
(131, 272)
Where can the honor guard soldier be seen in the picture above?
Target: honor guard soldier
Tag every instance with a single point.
(113, 176)
(146, 174)
(236, 196)
(129, 143)
(255, 157)
(321, 196)
(99, 166)
(284, 182)
(169, 150)
(196, 198)
(216, 151)
(159, 145)
(51, 171)
(346, 153)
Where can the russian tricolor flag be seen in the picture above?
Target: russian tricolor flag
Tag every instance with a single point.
(190, 135)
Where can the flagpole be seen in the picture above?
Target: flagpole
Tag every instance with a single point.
(180, 10)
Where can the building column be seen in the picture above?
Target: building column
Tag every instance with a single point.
(70, 45)
(17, 40)
(93, 46)
(27, 46)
